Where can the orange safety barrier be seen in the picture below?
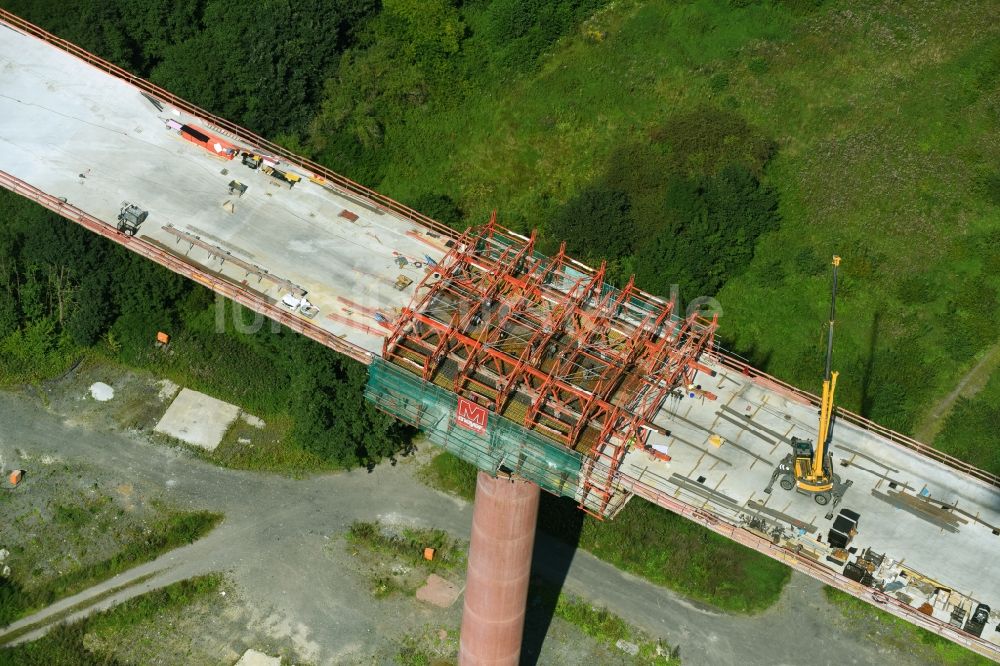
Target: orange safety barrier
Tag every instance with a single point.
(213, 144)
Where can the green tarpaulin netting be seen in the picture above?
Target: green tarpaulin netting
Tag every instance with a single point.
(504, 444)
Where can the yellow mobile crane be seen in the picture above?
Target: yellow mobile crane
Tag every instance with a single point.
(812, 469)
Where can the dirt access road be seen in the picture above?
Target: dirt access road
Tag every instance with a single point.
(971, 383)
(280, 544)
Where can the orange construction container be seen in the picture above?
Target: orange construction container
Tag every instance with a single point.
(162, 338)
(15, 477)
(210, 142)
(428, 554)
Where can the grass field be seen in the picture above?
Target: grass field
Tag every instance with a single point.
(451, 474)
(75, 552)
(137, 545)
(604, 626)
(970, 430)
(392, 557)
(669, 550)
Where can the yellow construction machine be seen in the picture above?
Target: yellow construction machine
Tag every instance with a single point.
(812, 466)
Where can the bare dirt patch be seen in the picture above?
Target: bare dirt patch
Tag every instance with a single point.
(141, 400)
(138, 403)
(168, 390)
(67, 516)
(391, 557)
(73, 526)
(256, 658)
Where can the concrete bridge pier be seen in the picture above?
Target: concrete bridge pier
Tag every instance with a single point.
(496, 592)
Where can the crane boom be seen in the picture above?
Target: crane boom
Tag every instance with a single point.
(829, 385)
(826, 414)
(833, 317)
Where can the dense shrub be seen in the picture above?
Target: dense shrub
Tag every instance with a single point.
(9, 600)
(685, 209)
(706, 139)
(261, 64)
(440, 207)
(969, 432)
(521, 30)
(596, 224)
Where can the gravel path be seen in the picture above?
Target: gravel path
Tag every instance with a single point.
(279, 544)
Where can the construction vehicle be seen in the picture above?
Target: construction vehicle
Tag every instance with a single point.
(237, 188)
(811, 471)
(299, 303)
(130, 217)
(283, 177)
(251, 160)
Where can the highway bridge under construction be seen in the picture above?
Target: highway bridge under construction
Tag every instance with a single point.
(532, 367)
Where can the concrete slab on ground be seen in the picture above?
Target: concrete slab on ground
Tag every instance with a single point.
(439, 592)
(254, 658)
(197, 419)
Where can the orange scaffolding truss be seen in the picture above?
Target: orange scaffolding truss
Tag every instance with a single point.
(546, 342)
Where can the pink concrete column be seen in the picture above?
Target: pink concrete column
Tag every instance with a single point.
(503, 534)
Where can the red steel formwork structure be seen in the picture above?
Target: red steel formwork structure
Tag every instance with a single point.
(546, 342)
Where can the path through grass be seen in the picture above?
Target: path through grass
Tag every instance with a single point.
(176, 529)
(65, 645)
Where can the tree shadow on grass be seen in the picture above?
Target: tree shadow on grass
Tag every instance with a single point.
(866, 380)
